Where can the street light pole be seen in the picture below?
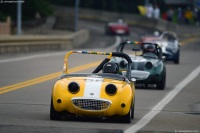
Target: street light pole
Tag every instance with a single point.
(76, 15)
(19, 17)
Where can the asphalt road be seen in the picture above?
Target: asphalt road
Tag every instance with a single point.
(24, 107)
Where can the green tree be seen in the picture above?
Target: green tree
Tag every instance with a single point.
(29, 9)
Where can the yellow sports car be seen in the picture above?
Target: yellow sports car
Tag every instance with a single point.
(102, 93)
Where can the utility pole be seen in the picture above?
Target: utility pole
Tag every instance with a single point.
(19, 17)
(76, 15)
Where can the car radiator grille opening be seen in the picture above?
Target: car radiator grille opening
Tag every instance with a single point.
(91, 104)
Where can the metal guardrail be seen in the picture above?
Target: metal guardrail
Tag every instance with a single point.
(26, 43)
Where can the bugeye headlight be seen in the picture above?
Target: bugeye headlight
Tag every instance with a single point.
(73, 87)
(123, 64)
(111, 89)
(148, 65)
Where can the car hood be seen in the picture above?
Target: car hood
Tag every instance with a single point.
(95, 80)
(85, 76)
(92, 86)
(142, 60)
(138, 62)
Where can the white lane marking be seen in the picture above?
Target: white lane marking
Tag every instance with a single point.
(117, 42)
(157, 109)
(93, 87)
(31, 57)
(118, 39)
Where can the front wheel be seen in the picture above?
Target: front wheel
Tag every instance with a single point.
(133, 110)
(126, 118)
(54, 115)
(176, 60)
(161, 85)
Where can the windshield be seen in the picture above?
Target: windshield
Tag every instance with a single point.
(96, 75)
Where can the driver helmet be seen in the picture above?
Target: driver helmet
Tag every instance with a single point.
(156, 33)
(149, 48)
(110, 67)
(120, 21)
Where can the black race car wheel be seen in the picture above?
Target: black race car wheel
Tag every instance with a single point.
(161, 85)
(133, 110)
(176, 60)
(126, 118)
(54, 115)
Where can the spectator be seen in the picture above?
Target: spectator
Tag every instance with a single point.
(156, 12)
(180, 15)
(170, 14)
(196, 16)
(188, 16)
(164, 16)
(149, 10)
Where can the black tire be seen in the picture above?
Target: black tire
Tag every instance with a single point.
(54, 115)
(127, 118)
(133, 110)
(161, 85)
(176, 60)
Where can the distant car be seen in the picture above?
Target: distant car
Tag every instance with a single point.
(102, 93)
(169, 43)
(150, 64)
(117, 28)
(170, 46)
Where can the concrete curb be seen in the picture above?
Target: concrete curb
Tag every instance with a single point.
(27, 43)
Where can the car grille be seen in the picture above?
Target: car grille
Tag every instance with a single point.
(91, 104)
(170, 50)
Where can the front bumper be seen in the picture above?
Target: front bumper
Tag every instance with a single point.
(119, 31)
(152, 79)
(97, 107)
(169, 54)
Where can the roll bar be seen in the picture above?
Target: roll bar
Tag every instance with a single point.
(122, 44)
(110, 54)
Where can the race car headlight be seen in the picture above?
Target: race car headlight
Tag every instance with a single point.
(73, 87)
(148, 65)
(123, 64)
(174, 50)
(111, 89)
